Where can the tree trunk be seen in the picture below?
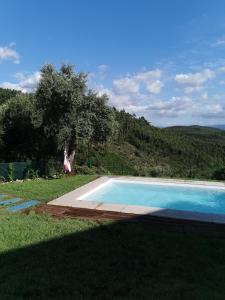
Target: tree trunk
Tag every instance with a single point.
(71, 159)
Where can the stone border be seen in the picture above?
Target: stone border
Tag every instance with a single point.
(74, 199)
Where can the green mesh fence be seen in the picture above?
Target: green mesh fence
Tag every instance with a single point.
(18, 170)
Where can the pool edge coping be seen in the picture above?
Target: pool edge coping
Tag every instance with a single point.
(73, 199)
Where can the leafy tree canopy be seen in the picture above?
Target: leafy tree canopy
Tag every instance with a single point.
(67, 112)
(6, 94)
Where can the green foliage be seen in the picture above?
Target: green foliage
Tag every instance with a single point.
(59, 106)
(102, 118)
(62, 113)
(169, 152)
(65, 113)
(219, 174)
(85, 170)
(18, 131)
(6, 94)
(117, 165)
(53, 168)
(11, 175)
(30, 172)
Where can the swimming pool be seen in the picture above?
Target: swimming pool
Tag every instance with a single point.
(162, 195)
(180, 199)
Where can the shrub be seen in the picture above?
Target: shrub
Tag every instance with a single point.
(219, 174)
(11, 172)
(32, 174)
(53, 168)
(84, 170)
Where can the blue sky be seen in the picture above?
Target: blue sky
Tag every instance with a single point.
(161, 59)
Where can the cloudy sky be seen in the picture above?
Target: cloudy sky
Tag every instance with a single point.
(161, 59)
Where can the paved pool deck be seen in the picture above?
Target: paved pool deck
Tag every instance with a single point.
(153, 222)
(74, 200)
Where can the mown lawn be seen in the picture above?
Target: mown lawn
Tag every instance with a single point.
(46, 258)
(45, 189)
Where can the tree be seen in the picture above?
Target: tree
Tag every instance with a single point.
(1, 126)
(17, 128)
(66, 111)
(102, 118)
(6, 94)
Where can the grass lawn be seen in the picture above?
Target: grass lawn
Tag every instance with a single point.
(43, 189)
(46, 258)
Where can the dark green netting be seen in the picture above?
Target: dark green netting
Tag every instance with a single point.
(18, 170)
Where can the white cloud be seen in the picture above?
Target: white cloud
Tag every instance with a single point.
(7, 53)
(126, 85)
(160, 109)
(25, 82)
(175, 107)
(100, 74)
(219, 42)
(154, 87)
(192, 97)
(181, 109)
(102, 71)
(102, 68)
(221, 70)
(204, 96)
(148, 75)
(194, 79)
(192, 89)
(216, 111)
(127, 91)
(139, 93)
(148, 80)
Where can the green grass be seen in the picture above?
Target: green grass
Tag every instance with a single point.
(46, 258)
(43, 189)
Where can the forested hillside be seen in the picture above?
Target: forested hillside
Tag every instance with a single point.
(6, 94)
(116, 142)
(173, 152)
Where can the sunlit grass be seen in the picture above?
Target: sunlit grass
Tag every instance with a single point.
(44, 189)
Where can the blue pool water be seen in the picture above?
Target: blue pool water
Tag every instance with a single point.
(164, 196)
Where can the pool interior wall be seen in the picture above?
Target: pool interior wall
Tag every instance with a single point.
(181, 197)
(118, 194)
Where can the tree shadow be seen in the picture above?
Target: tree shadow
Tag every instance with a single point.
(120, 260)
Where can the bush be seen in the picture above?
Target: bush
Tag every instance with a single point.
(2, 179)
(53, 168)
(11, 172)
(160, 171)
(117, 165)
(219, 174)
(31, 174)
(84, 170)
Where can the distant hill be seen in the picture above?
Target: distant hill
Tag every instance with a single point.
(221, 126)
(6, 94)
(204, 133)
(196, 130)
(179, 151)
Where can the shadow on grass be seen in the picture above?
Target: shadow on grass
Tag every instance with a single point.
(121, 260)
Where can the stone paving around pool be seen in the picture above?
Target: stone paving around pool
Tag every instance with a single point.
(10, 204)
(74, 199)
